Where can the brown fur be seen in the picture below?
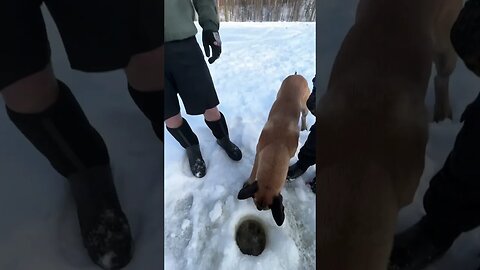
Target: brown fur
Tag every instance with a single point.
(278, 141)
(372, 130)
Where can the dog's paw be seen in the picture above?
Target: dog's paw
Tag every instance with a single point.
(442, 113)
(278, 210)
(248, 190)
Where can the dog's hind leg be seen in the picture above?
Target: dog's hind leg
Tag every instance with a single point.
(445, 64)
(304, 118)
(445, 57)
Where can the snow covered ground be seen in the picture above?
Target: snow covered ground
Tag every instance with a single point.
(38, 228)
(334, 18)
(201, 214)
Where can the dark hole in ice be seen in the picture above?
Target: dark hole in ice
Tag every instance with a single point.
(251, 237)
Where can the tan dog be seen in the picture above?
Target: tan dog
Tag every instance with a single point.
(276, 146)
(373, 128)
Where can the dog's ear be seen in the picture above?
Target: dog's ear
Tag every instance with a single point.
(248, 191)
(278, 210)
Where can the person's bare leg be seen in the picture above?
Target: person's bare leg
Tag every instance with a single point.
(145, 76)
(212, 114)
(145, 71)
(174, 121)
(41, 89)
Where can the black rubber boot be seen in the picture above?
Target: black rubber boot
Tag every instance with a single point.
(220, 131)
(105, 229)
(197, 164)
(152, 105)
(296, 170)
(64, 136)
(419, 246)
(187, 138)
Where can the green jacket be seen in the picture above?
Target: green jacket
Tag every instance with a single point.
(180, 15)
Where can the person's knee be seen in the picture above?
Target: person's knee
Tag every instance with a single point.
(174, 121)
(212, 114)
(145, 71)
(32, 94)
(150, 59)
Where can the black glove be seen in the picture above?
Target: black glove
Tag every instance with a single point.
(212, 39)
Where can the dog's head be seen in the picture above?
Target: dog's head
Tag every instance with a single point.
(264, 201)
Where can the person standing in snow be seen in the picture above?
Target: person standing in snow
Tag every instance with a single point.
(97, 38)
(187, 75)
(452, 201)
(306, 156)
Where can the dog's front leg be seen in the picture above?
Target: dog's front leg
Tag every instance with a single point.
(253, 175)
(250, 187)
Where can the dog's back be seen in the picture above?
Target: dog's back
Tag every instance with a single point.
(372, 132)
(282, 123)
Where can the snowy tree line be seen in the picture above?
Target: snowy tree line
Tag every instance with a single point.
(267, 10)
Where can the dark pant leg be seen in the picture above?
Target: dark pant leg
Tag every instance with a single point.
(24, 47)
(452, 201)
(97, 35)
(306, 156)
(172, 105)
(188, 75)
